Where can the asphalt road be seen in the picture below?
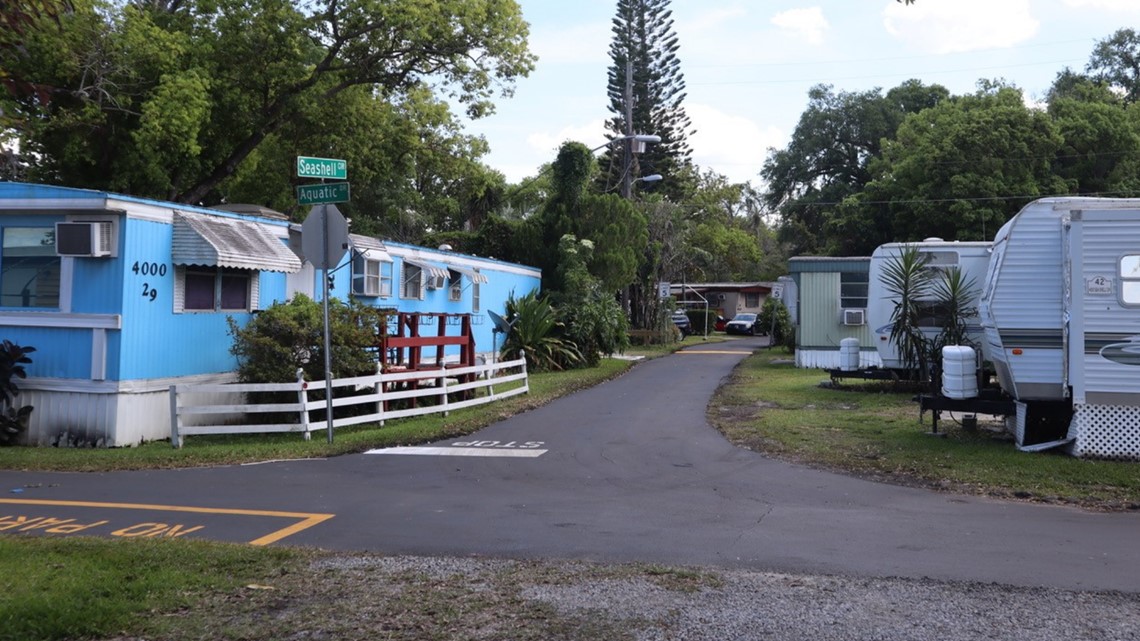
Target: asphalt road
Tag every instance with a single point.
(626, 471)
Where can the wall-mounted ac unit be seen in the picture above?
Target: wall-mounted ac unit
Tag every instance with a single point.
(437, 282)
(854, 316)
(88, 238)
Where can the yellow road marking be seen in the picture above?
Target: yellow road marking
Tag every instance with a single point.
(308, 519)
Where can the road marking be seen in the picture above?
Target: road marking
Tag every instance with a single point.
(714, 351)
(308, 520)
(461, 451)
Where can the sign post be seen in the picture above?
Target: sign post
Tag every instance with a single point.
(324, 240)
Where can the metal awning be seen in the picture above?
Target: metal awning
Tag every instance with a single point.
(201, 239)
(370, 248)
(475, 276)
(433, 270)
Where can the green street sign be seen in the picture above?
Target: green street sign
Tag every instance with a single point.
(309, 167)
(324, 193)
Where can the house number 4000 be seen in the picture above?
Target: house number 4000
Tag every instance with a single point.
(149, 269)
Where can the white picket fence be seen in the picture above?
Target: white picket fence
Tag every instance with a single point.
(226, 405)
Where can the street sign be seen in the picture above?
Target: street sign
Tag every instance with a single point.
(322, 193)
(778, 291)
(309, 167)
(324, 236)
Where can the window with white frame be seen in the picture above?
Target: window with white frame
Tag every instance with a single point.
(853, 290)
(371, 277)
(29, 268)
(455, 286)
(412, 282)
(214, 289)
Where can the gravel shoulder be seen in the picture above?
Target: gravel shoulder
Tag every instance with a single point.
(375, 597)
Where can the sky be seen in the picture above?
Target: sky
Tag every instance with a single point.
(748, 65)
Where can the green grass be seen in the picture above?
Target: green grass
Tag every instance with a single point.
(200, 451)
(79, 588)
(867, 429)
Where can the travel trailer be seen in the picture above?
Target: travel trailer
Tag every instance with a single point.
(1060, 312)
(972, 258)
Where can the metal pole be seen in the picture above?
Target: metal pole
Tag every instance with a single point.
(325, 306)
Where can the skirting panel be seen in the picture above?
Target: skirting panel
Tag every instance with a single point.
(1106, 431)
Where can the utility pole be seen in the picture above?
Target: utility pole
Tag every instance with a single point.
(627, 148)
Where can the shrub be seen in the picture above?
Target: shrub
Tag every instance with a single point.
(13, 419)
(290, 336)
(534, 333)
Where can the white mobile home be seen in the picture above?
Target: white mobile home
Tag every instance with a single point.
(972, 258)
(1061, 315)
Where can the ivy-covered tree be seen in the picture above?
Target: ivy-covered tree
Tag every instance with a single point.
(646, 90)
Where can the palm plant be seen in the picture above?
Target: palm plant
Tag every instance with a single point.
(535, 334)
(956, 296)
(907, 279)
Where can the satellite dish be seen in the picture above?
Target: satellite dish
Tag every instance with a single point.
(501, 327)
(501, 324)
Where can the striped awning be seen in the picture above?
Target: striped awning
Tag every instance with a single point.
(475, 276)
(370, 248)
(432, 270)
(201, 239)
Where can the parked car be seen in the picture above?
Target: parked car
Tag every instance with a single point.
(745, 324)
(682, 323)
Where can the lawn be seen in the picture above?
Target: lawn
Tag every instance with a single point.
(871, 430)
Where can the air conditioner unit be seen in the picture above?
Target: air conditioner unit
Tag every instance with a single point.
(437, 282)
(854, 316)
(88, 238)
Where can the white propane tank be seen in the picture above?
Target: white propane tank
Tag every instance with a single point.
(959, 372)
(849, 354)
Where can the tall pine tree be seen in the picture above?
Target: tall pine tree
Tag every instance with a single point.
(646, 89)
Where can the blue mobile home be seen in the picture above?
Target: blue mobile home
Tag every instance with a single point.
(123, 297)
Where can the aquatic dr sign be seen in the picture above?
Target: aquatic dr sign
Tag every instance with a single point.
(332, 168)
(322, 193)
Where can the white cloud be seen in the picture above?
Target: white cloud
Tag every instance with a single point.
(732, 145)
(808, 24)
(1126, 6)
(954, 26)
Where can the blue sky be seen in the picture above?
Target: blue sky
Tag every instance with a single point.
(748, 65)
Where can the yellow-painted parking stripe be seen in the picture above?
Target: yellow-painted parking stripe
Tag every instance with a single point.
(307, 519)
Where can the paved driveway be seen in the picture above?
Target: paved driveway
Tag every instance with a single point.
(626, 471)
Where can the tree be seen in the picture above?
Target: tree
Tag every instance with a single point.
(1116, 61)
(646, 90)
(960, 169)
(828, 158)
(170, 99)
(1100, 151)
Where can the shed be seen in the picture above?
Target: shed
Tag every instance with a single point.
(831, 305)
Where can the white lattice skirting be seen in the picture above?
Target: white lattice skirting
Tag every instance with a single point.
(1106, 431)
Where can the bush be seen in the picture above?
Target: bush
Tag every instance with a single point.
(775, 320)
(290, 336)
(535, 333)
(13, 419)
